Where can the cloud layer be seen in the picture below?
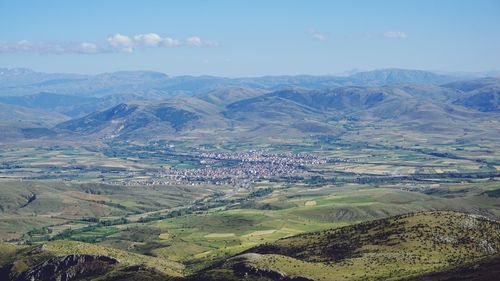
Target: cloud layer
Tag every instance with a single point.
(114, 43)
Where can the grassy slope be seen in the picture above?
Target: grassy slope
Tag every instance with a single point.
(199, 239)
(289, 212)
(59, 202)
(387, 249)
(486, 270)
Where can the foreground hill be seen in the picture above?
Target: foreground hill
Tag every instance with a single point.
(485, 270)
(420, 246)
(386, 249)
(67, 260)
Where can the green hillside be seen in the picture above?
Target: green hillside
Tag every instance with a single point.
(386, 249)
(29, 205)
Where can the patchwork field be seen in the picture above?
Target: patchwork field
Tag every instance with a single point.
(227, 203)
(206, 236)
(31, 205)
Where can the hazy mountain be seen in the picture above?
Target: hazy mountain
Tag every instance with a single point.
(19, 122)
(225, 95)
(471, 75)
(132, 121)
(482, 94)
(429, 108)
(124, 82)
(351, 102)
(70, 105)
(310, 104)
(150, 83)
(22, 117)
(486, 101)
(18, 77)
(47, 100)
(391, 76)
(475, 84)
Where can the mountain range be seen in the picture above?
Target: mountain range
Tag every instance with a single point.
(24, 81)
(151, 105)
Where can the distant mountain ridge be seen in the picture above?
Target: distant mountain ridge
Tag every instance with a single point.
(390, 76)
(70, 105)
(26, 82)
(297, 111)
(143, 104)
(46, 100)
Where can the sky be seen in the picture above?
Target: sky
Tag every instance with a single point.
(249, 38)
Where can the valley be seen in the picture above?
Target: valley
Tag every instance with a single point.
(249, 140)
(272, 178)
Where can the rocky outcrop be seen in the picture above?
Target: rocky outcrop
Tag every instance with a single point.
(246, 269)
(70, 267)
(29, 200)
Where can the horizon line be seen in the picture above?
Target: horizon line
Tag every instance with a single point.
(345, 73)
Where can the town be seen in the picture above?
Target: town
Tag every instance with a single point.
(236, 169)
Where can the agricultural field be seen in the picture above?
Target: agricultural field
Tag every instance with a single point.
(32, 205)
(197, 205)
(229, 228)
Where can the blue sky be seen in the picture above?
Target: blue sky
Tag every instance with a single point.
(249, 38)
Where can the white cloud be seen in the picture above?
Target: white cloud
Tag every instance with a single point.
(148, 40)
(170, 42)
(88, 48)
(121, 42)
(114, 43)
(193, 41)
(318, 36)
(394, 35)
